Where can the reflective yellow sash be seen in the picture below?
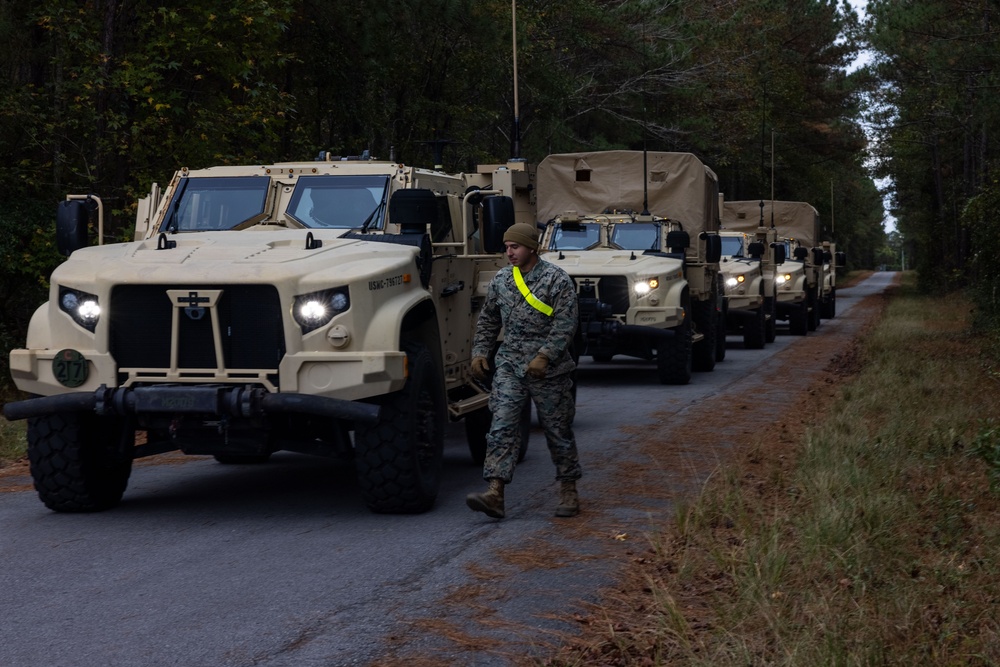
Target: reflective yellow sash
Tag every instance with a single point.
(532, 300)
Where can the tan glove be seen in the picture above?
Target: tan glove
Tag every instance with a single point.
(480, 367)
(538, 366)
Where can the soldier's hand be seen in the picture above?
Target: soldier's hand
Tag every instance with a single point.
(538, 366)
(480, 367)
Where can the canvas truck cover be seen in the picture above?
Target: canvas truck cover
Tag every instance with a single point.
(793, 219)
(680, 186)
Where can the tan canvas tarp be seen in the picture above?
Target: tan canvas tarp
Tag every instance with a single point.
(793, 219)
(680, 186)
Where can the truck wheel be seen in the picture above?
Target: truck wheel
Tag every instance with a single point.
(829, 310)
(798, 320)
(814, 310)
(755, 330)
(674, 354)
(720, 334)
(477, 425)
(398, 458)
(771, 329)
(705, 319)
(80, 462)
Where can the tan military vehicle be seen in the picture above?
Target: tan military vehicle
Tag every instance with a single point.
(638, 234)
(799, 277)
(832, 260)
(322, 307)
(744, 306)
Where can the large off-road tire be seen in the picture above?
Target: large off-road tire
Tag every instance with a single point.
(80, 462)
(398, 458)
(706, 321)
(477, 425)
(829, 309)
(814, 309)
(674, 354)
(755, 330)
(798, 320)
(771, 329)
(720, 335)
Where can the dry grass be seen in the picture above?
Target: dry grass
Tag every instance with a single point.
(869, 539)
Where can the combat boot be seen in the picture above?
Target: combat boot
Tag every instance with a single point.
(569, 500)
(491, 502)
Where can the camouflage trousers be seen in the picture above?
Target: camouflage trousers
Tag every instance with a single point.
(556, 408)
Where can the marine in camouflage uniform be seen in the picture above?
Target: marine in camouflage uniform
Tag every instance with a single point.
(534, 363)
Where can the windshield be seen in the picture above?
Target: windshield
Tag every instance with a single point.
(636, 236)
(214, 203)
(732, 246)
(343, 202)
(575, 236)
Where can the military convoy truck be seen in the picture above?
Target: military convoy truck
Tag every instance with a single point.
(322, 307)
(832, 261)
(799, 278)
(744, 307)
(638, 233)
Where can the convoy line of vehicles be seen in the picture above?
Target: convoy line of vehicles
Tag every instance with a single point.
(328, 307)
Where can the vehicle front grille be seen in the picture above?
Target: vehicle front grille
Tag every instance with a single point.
(250, 327)
(611, 290)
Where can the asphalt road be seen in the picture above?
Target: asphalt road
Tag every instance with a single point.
(279, 565)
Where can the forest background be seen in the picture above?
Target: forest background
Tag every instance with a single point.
(110, 96)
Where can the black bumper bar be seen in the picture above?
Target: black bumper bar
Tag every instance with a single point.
(204, 400)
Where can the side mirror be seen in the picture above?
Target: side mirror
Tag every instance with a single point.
(713, 248)
(779, 253)
(756, 249)
(817, 254)
(498, 216)
(841, 259)
(72, 219)
(678, 241)
(800, 254)
(413, 210)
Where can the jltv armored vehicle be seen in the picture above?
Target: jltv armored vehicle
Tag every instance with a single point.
(745, 306)
(797, 279)
(321, 307)
(637, 232)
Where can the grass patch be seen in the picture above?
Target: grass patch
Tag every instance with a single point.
(872, 541)
(13, 442)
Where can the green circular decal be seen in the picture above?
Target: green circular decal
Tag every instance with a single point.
(70, 368)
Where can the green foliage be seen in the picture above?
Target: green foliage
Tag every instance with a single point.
(937, 119)
(986, 445)
(27, 257)
(109, 96)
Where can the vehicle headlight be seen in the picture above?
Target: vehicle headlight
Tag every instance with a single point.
(782, 279)
(81, 306)
(311, 311)
(643, 287)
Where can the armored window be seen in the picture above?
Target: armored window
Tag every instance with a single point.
(342, 202)
(216, 203)
(732, 246)
(636, 236)
(575, 236)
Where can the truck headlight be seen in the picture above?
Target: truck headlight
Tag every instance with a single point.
(642, 287)
(782, 279)
(81, 306)
(311, 311)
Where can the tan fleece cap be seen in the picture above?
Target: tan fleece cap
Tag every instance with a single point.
(522, 233)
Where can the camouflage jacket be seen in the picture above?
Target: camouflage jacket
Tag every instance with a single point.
(527, 331)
